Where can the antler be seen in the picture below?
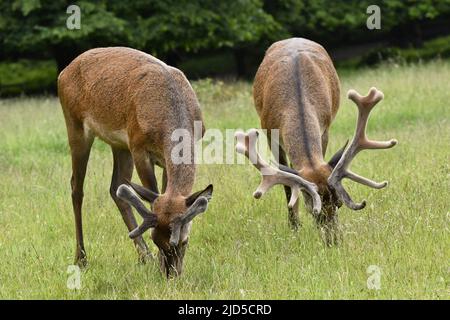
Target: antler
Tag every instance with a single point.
(359, 142)
(246, 144)
(200, 205)
(125, 193)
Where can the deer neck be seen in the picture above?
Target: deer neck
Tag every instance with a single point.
(180, 167)
(180, 179)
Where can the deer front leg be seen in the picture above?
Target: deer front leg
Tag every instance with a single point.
(293, 216)
(145, 169)
(80, 147)
(122, 172)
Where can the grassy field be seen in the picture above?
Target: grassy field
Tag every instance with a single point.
(241, 248)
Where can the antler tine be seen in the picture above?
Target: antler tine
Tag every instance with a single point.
(365, 106)
(359, 142)
(125, 193)
(199, 206)
(246, 144)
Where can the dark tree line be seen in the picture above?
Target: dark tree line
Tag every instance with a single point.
(174, 29)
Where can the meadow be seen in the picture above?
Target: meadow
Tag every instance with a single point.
(241, 248)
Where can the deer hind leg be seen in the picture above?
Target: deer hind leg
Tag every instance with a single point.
(123, 171)
(145, 169)
(324, 142)
(80, 147)
(293, 216)
(164, 181)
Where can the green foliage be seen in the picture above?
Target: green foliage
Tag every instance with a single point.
(160, 27)
(203, 32)
(436, 48)
(340, 22)
(166, 26)
(208, 66)
(30, 25)
(27, 76)
(410, 10)
(98, 25)
(192, 25)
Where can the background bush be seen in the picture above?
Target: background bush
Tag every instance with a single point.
(433, 49)
(27, 76)
(209, 38)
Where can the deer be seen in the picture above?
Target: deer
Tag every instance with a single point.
(134, 102)
(296, 91)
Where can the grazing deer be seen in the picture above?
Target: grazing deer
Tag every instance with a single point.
(296, 91)
(134, 102)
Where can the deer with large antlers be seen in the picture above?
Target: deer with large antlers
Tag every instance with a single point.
(296, 91)
(134, 102)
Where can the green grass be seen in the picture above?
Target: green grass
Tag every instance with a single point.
(241, 247)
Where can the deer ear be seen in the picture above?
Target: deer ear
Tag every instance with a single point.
(337, 156)
(144, 193)
(207, 193)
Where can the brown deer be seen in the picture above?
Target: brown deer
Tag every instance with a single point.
(134, 102)
(296, 91)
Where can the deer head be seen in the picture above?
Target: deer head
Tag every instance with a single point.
(323, 191)
(171, 221)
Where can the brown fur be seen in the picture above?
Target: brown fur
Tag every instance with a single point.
(279, 105)
(133, 102)
(296, 90)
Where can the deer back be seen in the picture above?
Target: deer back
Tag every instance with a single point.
(131, 99)
(296, 90)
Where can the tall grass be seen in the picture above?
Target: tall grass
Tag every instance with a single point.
(241, 247)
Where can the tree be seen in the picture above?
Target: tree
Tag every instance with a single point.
(32, 27)
(164, 28)
(172, 28)
(340, 23)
